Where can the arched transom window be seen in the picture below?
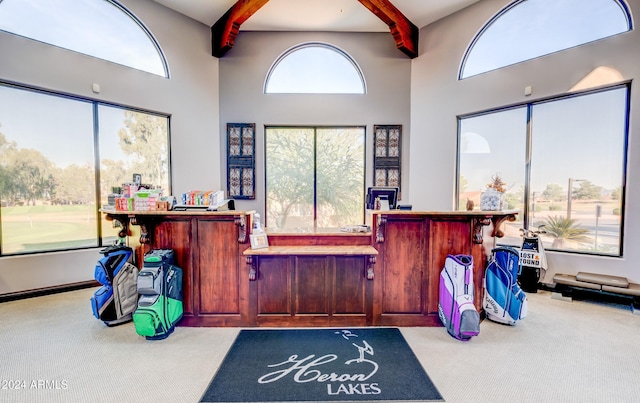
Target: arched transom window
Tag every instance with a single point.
(527, 29)
(315, 68)
(104, 29)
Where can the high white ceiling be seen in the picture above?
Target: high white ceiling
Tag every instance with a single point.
(317, 15)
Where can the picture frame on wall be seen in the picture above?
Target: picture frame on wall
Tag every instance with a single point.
(259, 240)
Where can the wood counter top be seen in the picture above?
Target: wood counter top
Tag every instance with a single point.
(169, 213)
(311, 250)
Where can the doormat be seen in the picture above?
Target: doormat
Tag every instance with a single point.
(358, 364)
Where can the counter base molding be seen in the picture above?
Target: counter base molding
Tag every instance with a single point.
(388, 277)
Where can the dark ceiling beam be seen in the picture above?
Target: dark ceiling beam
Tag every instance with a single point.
(404, 31)
(225, 30)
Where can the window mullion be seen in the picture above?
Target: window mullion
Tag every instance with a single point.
(527, 167)
(315, 179)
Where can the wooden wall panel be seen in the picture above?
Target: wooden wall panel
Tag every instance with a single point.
(349, 285)
(274, 287)
(403, 267)
(218, 268)
(311, 285)
(445, 238)
(177, 235)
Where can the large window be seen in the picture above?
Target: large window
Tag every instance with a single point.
(564, 164)
(315, 68)
(100, 28)
(315, 178)
(493, 144)
(48, 191)
(527, 29)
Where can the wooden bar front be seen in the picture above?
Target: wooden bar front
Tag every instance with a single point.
(388, 277)
(412, 249)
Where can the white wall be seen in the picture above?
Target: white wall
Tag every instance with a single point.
(243, 71)
(190, 97)
(438, 97)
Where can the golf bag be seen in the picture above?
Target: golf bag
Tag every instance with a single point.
(160, 287)
(533, 260)
(116, 300)
(504, 301)
(455, 300)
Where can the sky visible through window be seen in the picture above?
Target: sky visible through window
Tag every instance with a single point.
(17, 125)
(538, 27)
(563, 131)
(92, 27)
(315, 69)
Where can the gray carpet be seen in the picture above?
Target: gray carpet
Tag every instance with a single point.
(52, 349)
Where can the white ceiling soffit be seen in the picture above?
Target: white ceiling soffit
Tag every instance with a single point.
(317, 15)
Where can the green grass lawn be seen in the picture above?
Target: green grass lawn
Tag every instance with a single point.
(38, 228)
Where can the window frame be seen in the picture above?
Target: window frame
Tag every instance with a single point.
(527, 157)
(312, 44)
(135, 20)
(100, 241)
(515, 3)
(315, 129)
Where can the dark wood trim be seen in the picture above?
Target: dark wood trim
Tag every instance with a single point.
(225, 30)
(39, 292)
(404, 31)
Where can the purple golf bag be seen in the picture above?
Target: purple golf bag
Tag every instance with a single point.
(455, 303)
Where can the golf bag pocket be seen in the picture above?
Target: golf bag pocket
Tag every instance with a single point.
(100, 300)
(125, 290)
(456, 307)
(150, 280)
(100, 273)
(147, 320)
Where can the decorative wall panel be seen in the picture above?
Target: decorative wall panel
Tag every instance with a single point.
(241, 160)
(386, 160)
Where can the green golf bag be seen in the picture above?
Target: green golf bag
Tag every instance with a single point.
(160, 288)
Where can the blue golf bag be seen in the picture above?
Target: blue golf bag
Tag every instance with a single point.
(504, 301)
(116, 300)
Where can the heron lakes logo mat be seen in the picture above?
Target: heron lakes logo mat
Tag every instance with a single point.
(353, 378)
(321, 365)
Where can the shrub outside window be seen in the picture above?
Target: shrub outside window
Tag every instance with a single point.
(315, 178)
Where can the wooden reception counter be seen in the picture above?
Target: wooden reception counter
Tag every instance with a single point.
(388, 277)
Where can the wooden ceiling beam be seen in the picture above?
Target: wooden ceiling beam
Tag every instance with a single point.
(404, 31)
(225, 30)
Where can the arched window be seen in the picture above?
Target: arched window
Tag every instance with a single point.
(527, 29)
(98, 28)
(315, 68)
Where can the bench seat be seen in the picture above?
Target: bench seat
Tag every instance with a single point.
(603, 279)
(599, 282)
